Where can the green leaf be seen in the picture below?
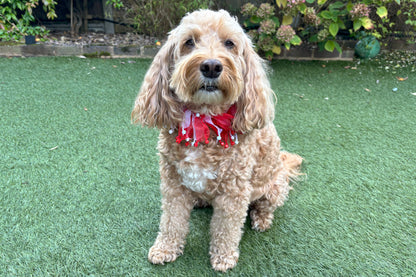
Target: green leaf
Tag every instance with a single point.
(357, 24)
(333, 29)
(341, 24)
(337, 5)
(281, 3)
(321, 2)
(366, 23)
(330, 45)
(326, 14)
(296, 40)
(382, 11)
(398, 2)
(276, 20)
(51, 15)
(313, 38)
(287, 20)
(255, 19)
(269, 55)
(287, 45)
(377, 34)
(338, 47)
(302, 8)
(276, 49)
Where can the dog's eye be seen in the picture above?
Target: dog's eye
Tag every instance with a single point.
(190, 43)
(229, 44)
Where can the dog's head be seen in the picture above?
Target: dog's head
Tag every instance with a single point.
(207, 64)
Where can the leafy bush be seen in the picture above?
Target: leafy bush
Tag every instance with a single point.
(16, 18)
(157, 17)
(267, 31)
(408, 12)
(320, 21)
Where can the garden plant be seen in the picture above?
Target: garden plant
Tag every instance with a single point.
(272, 25)
(16, 18)
(291, 22)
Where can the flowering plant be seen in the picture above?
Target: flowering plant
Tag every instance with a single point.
(318, 21)
(266, 31)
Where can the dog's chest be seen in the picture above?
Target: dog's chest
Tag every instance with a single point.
(194, 171)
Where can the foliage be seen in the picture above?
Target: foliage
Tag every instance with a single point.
(268, 32)
(409, 11)
(320, 21)
(157, 17)
(16, 18)
(116, 3)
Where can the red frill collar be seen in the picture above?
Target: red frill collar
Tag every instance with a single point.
(196, 127)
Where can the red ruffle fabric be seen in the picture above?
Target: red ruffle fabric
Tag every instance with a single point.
(196, 128)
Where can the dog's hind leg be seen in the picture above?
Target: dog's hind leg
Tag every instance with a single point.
(262, 210)
(261, 214)
(199, 203)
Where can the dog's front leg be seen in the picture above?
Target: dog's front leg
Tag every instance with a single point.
(230, 213)
(177, 203)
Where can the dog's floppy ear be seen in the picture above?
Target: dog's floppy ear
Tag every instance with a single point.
(156, 104)
(255, 106)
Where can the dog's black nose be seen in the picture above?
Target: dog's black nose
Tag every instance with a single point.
(211, 68)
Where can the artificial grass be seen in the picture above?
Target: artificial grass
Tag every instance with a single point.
(79, 184)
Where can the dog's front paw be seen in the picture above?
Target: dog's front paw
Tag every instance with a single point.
(224, 262)
(161, 255)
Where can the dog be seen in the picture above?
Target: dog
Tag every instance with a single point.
(207, 91)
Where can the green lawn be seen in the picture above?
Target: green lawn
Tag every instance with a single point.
(79, 184)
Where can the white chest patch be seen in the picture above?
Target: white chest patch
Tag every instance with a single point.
(194, 177)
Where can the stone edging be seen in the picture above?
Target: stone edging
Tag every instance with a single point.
(38, 50)
(302, 52)
(59, 51)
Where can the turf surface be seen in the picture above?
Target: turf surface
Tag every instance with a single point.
(79, 184)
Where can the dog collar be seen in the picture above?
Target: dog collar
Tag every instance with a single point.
(196, 127)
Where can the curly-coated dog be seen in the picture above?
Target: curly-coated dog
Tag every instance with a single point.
(208, 93)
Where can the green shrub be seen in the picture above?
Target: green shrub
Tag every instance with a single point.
(321, 21)
(157, 17)
(16, 18)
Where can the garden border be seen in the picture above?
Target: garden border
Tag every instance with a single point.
(40, 49)
(302, 52)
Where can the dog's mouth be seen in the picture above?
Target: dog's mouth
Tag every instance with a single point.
(209, 92)
(209, 87)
